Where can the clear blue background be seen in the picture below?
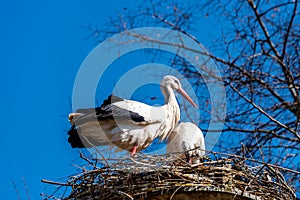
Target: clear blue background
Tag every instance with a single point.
(42, 47)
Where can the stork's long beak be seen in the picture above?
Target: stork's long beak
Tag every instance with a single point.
(187, 97)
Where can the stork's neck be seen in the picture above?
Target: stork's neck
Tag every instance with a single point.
(173, 106)
(172, 110)
(170, 97)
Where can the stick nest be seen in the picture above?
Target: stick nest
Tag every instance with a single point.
(165, 176)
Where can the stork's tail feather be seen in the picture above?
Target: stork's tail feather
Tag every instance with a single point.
(79, 140)
(74, 138)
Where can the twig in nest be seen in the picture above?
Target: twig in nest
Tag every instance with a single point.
(142, 163)
(120, 192)
(107, 165)
(55, 183)
(175, 192)
(87, 160)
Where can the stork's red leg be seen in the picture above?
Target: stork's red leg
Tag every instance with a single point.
(134, 150)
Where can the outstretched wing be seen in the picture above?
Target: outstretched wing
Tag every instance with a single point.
(113, 108)
(110, 100)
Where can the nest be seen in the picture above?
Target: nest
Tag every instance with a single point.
(167, 177)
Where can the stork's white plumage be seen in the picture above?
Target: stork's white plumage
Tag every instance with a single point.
(187, 136)
(130, 125)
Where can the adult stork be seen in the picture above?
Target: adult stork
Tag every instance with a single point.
(189, 138)
(127, 124)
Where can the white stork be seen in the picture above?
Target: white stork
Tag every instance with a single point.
(128, 124)
(187, 136)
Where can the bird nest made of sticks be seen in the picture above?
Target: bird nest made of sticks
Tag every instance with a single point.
(167, 177)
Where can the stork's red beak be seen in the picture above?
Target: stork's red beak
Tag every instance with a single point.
(187, 97)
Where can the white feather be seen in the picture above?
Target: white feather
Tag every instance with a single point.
(187, 136)
(151, 122)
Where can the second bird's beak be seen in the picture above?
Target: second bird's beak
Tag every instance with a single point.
(187, 97)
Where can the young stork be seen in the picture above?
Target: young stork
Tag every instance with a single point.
(187, 136)
(129, 125)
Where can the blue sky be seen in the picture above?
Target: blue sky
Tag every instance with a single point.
(42, 47)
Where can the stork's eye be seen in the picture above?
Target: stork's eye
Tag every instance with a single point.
(176, 82)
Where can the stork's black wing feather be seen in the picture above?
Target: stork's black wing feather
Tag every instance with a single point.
(110, 99)
(107, 111)
(111, 111)
(74, 138)
(79, 142)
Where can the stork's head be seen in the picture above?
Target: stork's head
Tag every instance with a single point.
(173, 83)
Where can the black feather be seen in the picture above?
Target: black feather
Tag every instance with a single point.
(74, 138)
(107, 111)
(110, 99)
